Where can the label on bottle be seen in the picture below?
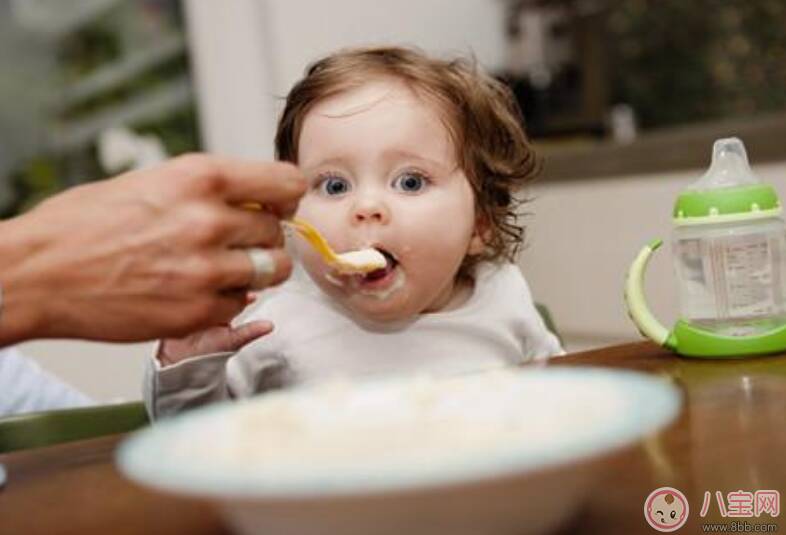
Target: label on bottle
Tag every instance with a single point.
(734, 285)
(743, 266)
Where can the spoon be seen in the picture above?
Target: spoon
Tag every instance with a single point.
(361, 261)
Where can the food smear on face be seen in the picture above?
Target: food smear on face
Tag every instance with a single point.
(386, 291)
(376, 274)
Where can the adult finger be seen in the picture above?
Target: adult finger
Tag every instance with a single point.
(225, 307)
(239, 270)
(273, 184)
(246, 228)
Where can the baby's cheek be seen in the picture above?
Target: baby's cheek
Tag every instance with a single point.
(441, 228)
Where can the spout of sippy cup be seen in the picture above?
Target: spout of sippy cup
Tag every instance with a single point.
(728, 192)
(729, 167)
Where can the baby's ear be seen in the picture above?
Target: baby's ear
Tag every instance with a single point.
(480, 236)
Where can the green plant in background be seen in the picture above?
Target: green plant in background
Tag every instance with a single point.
(179, 131)
(86, 49)
(32, 182)
(125, 29)
(139, 84)
(678, 61)
(46, 174)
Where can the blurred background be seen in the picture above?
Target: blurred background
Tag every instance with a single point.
(622, 98)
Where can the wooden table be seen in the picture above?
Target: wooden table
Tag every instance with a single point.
(730, 436)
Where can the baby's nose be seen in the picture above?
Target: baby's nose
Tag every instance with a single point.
(370, 210)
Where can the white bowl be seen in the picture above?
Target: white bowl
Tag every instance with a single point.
(510, 452)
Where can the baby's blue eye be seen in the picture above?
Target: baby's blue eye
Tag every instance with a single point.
(335, 185)
(410, 182)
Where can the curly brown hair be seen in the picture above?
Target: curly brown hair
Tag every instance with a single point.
(479, 112)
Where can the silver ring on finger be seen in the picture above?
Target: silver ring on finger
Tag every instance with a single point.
(264, 267)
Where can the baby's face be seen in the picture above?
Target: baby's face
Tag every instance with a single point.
(666, 510)
(382, 173)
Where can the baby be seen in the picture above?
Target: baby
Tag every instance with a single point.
(418, 158)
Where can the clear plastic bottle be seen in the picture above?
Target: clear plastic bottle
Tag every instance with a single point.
(729, 246)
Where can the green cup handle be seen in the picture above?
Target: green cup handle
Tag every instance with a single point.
(638, 310)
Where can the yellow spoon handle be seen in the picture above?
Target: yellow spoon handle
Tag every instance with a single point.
(313, 237)
(318, 242)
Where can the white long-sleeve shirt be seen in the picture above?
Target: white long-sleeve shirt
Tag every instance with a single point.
(25, 387)
(315, 339)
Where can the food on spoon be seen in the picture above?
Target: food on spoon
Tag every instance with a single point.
(361, 261)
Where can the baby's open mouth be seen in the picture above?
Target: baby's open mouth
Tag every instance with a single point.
(378, 274)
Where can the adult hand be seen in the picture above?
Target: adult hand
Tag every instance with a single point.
(152, 253)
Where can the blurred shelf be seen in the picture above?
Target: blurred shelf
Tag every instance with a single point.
(116, 74)
(663, 151)
(149, 105)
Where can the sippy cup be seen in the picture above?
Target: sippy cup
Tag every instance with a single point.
(729, 246)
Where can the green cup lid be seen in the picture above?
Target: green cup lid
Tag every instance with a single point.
(728, 191)
(759, 199)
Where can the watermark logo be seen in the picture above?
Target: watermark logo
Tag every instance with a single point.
(666, 509)
(742, 504)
